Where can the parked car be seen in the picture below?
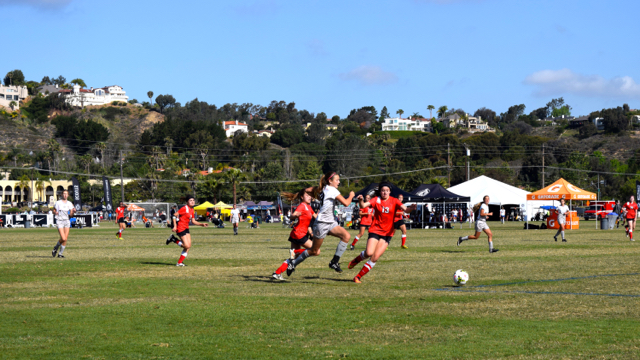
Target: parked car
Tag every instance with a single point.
(599, 209)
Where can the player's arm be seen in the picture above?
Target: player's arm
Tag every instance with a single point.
(482, 213)
(72, 211)
(176, 217)
(363, 213)
(199, 223)
(407, 208)
(347, 201)
(362, 203)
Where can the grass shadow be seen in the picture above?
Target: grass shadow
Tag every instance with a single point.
(40, 257)
(452, 251)
(156, 263)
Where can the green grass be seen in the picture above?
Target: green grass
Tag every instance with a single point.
(399, 134)
(125, 299)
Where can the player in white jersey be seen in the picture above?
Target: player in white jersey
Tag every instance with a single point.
(63, 210)
(481, 224)
(562, 212)
(235, 219)
(327, 192)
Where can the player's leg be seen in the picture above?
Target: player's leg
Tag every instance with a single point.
(185, 243)
(469, 237)
(314, 250)
(344, 236)
(360, 234)
(277, 275)
(62, 242)
(366, 253)
(375, 247)
(632, 226)
(560, 231)
(490, 236)
(403, 228)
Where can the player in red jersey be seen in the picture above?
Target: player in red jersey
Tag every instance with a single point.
(120, 220)
(631, 209)
(398, 223)
(299, 236)
(385, 207)
(182, 218)
(366, 217)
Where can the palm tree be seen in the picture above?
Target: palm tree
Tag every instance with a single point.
(79, 82)
(150, 95)
(13, 104)
(54, 148)
(430, 108)
(39, 184)
(23, 183)
(400, 112)
(234, 177)
(101, 146)
(85, 161)
(442, 111)
(168, 142)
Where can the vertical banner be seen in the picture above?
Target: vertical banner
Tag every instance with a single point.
(280, 204)
(76, 194)
(106, 185)
(637, 190)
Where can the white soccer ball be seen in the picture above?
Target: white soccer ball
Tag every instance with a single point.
(460, 277)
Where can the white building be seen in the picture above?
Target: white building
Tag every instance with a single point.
(12, 93)
(472, 123)
(230, 127)
(398, 124)
(101, 96)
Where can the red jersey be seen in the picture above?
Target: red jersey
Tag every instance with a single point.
(120, 212)
(306, 214)
(632, 210)
(185, 214)
(399, 216)
(384, 213)
(368, 218)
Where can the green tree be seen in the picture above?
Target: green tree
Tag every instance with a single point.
(13, 105)
(85, 162)
(400, 112)
(150, 95)
(165, 101)
(384, 114)
(79, 82)
(101, 147)
(23, 183)
(15, 77)
(442, 111)
(234, 177)
(430, 108)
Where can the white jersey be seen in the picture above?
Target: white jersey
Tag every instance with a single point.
(562, 211)
(484, 207)
(327, 198)
(62, 208)
(235, 215)
(502, 212)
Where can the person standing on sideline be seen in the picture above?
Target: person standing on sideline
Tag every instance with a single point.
(120, 219)
(184, 216)
(327, 192)
(562, 212)
(172, 214)
(398, 223)
(235, 219)
(503, 213)
(366, 217)
(618, 210)
(63, 210)
(631, 209)
(481, 224)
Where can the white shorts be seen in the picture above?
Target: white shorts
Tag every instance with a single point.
(562, 221)
(321, 229)
(481, 225)
(63, 224)
(235, 221)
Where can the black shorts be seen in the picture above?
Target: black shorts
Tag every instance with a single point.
(183, 232)
(299, 241)
(380, 237)
(364, 226)
(397, 224)
(121, 221)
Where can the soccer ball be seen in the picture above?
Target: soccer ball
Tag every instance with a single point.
(460, 277)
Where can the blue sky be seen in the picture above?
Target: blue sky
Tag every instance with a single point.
(334, 56)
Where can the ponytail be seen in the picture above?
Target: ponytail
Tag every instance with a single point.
(477, 206)
(324, 181)
(291, 197)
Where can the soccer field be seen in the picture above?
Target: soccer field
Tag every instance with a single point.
(113, 299)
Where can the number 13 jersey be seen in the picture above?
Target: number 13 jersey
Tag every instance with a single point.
(383, 214)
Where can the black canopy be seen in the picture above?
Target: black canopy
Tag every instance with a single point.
(395, 191)
(436, 193)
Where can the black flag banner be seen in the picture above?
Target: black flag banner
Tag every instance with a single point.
(106, 184)
(77, 203)
(637, 190)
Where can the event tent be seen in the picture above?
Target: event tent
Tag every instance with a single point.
(395, 191)
(499, 192)
(562, 189)
(436, 193)
(134, 207)
(221, 205)
(202, 208)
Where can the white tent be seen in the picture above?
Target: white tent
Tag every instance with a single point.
(499, 192)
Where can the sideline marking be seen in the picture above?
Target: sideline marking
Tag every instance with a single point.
(473, 288)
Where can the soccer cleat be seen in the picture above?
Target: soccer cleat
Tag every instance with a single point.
(404, 246)
(564, 240)
(278, 277)
(54, 252)
(352, 247)
(290, 268)
(60, 256)
(170, 239)
(555, 238)
(352, 264)
(357, 280)
(459, 241)
(631, 240)
(493, 250)
(118, 235)
(180, 264)
(292, 254)
(335, 266)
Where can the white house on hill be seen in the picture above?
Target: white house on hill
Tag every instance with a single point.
(398, 124)
(100, 96)
(230, 127)
(12, 93)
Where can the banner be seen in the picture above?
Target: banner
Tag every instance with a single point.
(280, 208)
(76, 194)
(106, 184)
(637, 190)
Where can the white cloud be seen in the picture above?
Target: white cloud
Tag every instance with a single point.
(370, 75)
(565, 81)
(41, 4)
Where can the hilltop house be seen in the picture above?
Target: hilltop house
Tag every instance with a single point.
(399, 124)
(231, 127)
(12, 93)
(101, 96)
(472, 123)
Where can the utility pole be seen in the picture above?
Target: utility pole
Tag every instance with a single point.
(448, 165)
(121, 178)
(468, 155)
(543, 166)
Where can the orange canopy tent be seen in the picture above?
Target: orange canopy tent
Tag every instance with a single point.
(561, 189)
(134, 207)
